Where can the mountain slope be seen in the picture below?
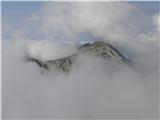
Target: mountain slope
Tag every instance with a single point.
(100, 49)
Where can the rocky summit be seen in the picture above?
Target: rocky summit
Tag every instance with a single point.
(99, 49)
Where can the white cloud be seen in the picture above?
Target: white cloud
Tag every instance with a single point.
(112, 21)
(48, 51)
(156, 21)
(96, 18)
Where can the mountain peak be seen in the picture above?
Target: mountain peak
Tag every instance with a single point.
(98, 48)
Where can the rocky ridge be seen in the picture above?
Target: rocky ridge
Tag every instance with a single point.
(99, 49)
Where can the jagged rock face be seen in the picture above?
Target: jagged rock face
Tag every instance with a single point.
(104, 50)
(64, 64)
(100, 49)
(97, 49)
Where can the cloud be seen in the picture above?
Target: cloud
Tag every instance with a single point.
(74, 18)
(156, 20)
(112, 21)
(46, 51)
(95, 88)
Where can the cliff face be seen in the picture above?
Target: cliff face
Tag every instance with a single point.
(99, 49)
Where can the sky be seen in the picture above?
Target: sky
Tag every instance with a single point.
(94, 88)
(17, 13)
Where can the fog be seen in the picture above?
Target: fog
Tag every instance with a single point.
(94, 88)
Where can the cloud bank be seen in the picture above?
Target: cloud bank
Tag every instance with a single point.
(95, 88)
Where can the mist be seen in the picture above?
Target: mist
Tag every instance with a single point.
(94, 88)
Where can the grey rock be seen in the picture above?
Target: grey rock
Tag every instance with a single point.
(100, 49)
